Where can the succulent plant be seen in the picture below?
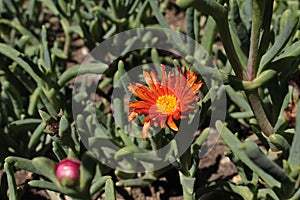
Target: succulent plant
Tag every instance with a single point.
(256, 48)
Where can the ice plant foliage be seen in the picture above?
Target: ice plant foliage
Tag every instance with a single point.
(164, 101)
(68, 172)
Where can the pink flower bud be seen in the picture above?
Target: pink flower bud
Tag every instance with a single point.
(68, 172)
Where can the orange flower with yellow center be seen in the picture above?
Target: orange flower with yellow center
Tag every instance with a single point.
(163, 102)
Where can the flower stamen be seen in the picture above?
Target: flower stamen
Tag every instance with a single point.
(166, 104)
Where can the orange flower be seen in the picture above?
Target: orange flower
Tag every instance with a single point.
(165, 101)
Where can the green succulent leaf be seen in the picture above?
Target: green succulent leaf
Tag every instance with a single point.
(45, 167)
(76, 70)
(98, 185)
(36, 135)
(53, 187)
(110, 193)
(21, 163)
(12, 186)
(18, 58)
(143, 181)
(87, 172)
(280, 42)
(234, 144)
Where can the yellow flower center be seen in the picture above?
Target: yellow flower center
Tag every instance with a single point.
(166, 103)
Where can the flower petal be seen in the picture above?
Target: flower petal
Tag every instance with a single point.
(132, 116)
(145, 130)
(142, 92)
(172, 124)
(159, 88)
(139, 105)
(149, 81)
(163, 78)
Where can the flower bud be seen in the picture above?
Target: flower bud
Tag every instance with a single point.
(68, 172)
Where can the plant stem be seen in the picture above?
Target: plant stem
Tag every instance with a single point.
(253, 63)
(259, 113)
(186, 180)
(254, 56)
(219, 13)
(187, 184)
(187, 196)
(204, 6)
